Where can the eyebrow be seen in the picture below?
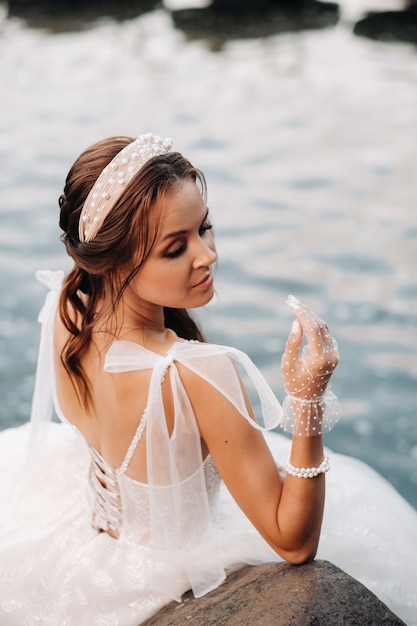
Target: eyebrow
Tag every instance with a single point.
(178, 233)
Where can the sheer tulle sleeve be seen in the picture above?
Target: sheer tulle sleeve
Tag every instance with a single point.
(181, 530)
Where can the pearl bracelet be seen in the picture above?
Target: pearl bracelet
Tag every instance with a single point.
(308, 472)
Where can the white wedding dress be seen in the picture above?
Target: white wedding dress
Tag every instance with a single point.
(182, 529)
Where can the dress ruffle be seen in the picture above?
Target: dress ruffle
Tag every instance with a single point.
(55, 569)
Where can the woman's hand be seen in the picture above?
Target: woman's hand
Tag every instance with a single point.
(307, 372)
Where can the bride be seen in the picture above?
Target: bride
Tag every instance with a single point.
(163, 472)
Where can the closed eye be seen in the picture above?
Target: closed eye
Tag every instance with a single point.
(177, 252)
(205, 227)
(182, 246)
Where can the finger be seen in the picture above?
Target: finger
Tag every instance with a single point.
(326, 338)
(311, 323)
(292, 347)
(330, 346)
(335, 348)
(321, 350)
(295, 303)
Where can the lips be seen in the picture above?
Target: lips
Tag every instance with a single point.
(206, 281)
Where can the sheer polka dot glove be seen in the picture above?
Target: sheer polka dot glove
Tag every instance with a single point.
(310, 408)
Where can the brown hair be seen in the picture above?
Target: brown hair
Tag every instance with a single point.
(124, 241)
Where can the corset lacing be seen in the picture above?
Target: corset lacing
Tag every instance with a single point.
(104, 481)
(107, 506)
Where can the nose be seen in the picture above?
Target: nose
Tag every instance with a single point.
(205, 254)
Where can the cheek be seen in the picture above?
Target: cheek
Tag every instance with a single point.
(166, 276)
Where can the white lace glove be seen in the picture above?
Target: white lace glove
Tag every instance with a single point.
(310, 408)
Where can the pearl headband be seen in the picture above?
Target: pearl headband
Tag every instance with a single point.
(111, 183)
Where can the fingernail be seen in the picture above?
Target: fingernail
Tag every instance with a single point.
(295, 328)
(292, 298)
(294, 304)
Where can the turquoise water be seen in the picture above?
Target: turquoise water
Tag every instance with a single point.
(308, 142)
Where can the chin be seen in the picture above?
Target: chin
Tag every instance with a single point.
(201, 301)
(209, 298)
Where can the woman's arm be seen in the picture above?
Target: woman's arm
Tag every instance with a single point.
(288, 514)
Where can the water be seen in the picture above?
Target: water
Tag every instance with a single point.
(308, 142)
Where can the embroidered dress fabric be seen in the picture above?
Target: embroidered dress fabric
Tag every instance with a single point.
(182, 529)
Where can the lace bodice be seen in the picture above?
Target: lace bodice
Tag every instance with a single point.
(121, 504)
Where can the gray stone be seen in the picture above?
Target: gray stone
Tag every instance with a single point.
(279, 594)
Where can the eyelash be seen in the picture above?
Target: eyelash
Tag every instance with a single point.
(205, 227)
(176, 253)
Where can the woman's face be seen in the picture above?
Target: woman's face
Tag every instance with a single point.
(178, 272)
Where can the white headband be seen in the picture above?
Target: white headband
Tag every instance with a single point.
(111, 183)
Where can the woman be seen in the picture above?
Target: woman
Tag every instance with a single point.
(117, 510)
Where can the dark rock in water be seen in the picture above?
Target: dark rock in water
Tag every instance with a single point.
(278, 594)
(389, 25)
(229, 19)
(66, 15)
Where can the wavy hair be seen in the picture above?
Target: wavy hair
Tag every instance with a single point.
(123, 243)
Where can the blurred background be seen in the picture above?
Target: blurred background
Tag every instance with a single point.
(302, 115)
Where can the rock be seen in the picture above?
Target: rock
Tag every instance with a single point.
(389, 25)
(232, 19)
(279, 594)
(76, 15)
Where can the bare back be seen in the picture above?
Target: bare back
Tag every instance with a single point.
(118, 400)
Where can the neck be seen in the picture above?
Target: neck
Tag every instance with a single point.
(131, 318)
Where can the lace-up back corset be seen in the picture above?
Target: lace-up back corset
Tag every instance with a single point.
(105, 484)
(104, 481)
(121, 504)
